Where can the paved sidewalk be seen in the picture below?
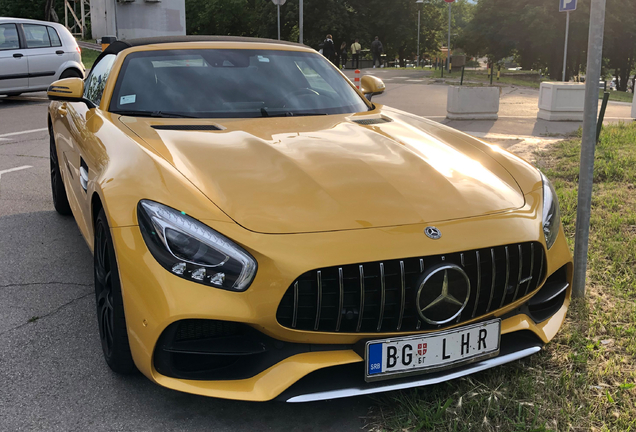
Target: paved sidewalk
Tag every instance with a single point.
(413, 91)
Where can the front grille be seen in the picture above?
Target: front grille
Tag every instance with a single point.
(380, 297)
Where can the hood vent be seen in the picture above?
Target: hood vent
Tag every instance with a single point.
(188, 127)
(372, 121)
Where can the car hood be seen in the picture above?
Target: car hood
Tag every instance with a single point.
(328, 173)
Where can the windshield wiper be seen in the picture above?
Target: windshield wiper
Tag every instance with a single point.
(161, 114)
(265, 113)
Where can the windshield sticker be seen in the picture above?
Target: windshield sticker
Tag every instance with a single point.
(127, 99)
(263, 59)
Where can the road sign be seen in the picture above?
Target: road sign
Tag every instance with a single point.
(567, 5)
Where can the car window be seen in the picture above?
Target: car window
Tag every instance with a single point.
(96, 81)
(9, 37)
(54, 37)
(239, 83)
(36, 36)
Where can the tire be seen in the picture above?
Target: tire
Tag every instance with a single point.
(111, 321)
(70, 73)
(60, 200)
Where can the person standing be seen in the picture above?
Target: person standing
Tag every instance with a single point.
(376, 50)
(328, 48)
(344, 56)
(355, 54)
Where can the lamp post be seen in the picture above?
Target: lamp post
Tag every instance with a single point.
(300, 24)
(448, 63)
(419, 20)
(279, 3)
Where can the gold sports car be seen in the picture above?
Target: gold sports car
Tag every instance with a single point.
(261, 229)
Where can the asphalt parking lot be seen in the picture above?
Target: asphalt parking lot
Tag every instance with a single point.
(51, 368)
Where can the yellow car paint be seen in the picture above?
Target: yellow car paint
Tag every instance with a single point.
(354, 195)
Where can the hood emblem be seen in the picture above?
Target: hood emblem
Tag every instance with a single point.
(443, 294)
(432, 232)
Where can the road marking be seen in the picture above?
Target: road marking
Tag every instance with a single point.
(14, 169)
(415, 80)
(400, 77)
(2, 137)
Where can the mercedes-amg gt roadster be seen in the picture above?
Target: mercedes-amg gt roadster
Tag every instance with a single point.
(261, 229)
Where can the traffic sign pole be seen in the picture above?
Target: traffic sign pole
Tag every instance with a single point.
(586, 169)
(565, 54)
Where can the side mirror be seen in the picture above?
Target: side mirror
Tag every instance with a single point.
(67, 90)
(372, 86)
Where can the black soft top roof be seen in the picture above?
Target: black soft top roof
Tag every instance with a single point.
(120, 45)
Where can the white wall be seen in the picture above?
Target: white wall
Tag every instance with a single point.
(138, 18)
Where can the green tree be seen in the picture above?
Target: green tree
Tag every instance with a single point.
(620, 40)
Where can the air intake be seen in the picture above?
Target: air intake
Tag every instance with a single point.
(188, 127)
(372, 121)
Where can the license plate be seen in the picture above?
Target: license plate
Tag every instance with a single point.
(390, 358)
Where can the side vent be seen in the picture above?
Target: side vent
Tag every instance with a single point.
(372, 121)
(83, 174)
(188, 127)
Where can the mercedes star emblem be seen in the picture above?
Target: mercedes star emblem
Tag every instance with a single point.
(443, 294)
(432, 232)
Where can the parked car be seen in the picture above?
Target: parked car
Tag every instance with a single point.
(261, 229)
(34, 53)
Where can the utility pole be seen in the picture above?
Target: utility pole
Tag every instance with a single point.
(586, 170)
(300, 24)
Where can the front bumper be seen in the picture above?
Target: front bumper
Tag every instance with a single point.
(154, 299)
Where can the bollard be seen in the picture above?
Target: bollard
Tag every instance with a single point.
(462, 80)
(356, 80)
(107, 40)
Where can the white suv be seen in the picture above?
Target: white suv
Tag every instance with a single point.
(34, 53)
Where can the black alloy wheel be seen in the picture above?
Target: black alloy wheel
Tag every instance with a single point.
(60, 200)
(108, 299)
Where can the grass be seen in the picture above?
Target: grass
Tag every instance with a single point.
(618, 96)
(88, 57)
(584, 379)
(519, 78)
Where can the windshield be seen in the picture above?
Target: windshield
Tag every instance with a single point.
(231, 83)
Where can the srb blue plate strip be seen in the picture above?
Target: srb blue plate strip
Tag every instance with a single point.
(375, 359)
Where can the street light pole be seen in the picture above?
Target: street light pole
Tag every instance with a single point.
(300, 26)
(586, 169)
(419, 20)
(448, 63)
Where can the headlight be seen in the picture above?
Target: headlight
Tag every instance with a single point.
(189, 249)
(551, 215)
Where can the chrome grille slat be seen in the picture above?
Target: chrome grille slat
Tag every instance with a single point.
(379, 297)
(382, 296)
(503, 297)
(520, 270)
(319, 304)
(493, 277)
(341, 298)
(478, 283)
(531, 269)
(295, 317)
(402, 296)
(361, 310)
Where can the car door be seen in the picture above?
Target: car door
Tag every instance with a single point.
(14, 67)
(44, 59)
(80, 123)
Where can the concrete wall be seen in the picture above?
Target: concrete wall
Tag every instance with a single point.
(137, 18)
